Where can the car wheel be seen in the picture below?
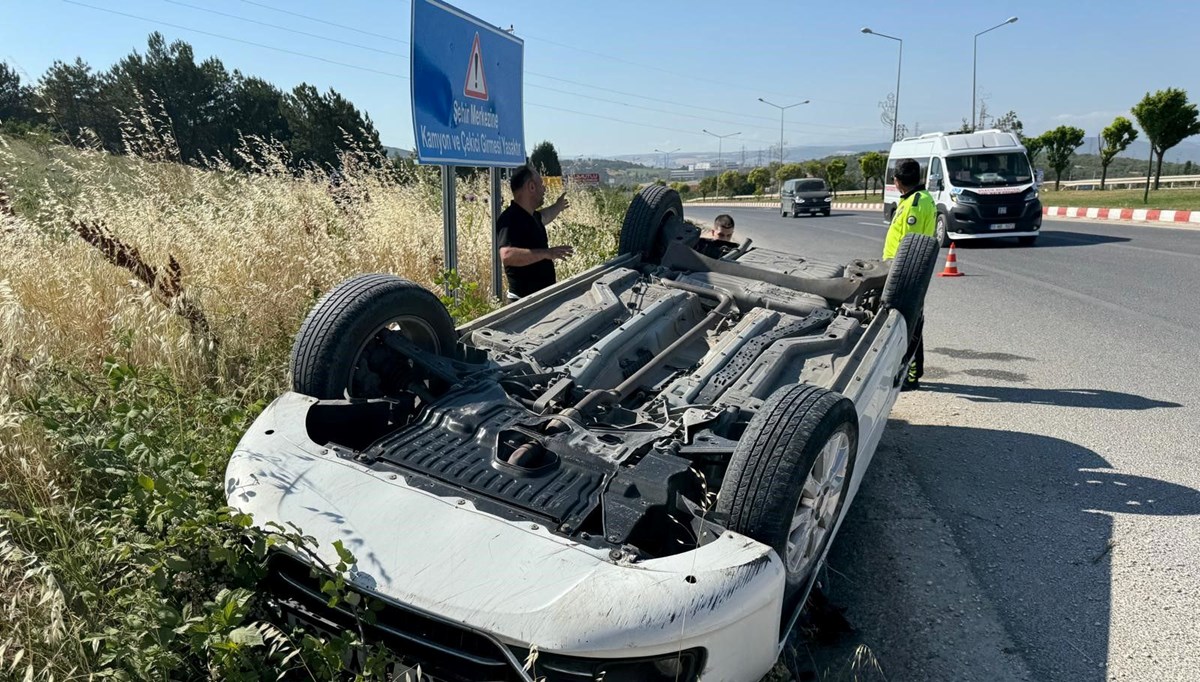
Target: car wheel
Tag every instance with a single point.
(341, 348)
(908, 280)
(788, 476)
(795, 213)
(1027, 241)
(826, 212)
(644, 230)
(941, 234)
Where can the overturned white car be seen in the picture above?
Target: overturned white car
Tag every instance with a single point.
(637, 471)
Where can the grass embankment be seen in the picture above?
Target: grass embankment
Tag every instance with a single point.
(146, 314)
(1186, 199)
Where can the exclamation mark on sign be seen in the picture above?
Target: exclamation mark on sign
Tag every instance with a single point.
(476, 84)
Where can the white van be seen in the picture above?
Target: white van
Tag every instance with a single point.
(981, 182)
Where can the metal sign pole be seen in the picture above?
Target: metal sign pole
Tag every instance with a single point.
(449, 224)
(497, 201)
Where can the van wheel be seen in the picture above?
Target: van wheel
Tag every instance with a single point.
(787, 479)
(782, 214)
(942, 236)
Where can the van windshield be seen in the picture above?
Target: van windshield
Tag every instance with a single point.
(988, 170)
(810, 186)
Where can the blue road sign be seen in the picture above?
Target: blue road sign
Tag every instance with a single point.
(467, 89)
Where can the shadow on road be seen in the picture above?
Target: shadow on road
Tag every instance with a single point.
(1061, 397)
(1049, 239)
(1031, 517)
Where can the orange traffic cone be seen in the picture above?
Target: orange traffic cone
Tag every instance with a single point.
(951, 265)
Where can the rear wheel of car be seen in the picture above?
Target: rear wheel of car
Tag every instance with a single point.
(341, 348)
(1027, 241)
(941, 234)
(787, 479)
(643, 232)
(908, 280)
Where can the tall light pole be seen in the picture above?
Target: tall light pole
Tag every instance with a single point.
(975, 63)
(899, 62)
(667, 159)
(781, 110)
(720, 141)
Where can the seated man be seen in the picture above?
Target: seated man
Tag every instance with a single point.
(722, 229)
(718, 240)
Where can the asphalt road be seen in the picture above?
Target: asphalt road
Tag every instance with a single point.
(1033, 513)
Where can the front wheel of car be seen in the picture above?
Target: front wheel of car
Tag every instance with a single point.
(342, 347)
(788, 477)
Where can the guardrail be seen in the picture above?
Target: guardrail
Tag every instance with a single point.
(1128, 183)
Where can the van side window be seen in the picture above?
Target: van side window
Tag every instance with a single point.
(889, 174)
(935, 169)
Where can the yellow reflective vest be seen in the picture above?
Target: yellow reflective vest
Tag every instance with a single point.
(915, 213)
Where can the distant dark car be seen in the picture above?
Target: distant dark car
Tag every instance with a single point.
(804, 195)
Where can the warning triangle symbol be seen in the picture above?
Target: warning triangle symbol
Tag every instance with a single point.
(476, 85)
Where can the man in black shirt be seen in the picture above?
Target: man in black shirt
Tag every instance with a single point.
(525, 250)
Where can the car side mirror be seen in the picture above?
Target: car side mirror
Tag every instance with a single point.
(938, 184)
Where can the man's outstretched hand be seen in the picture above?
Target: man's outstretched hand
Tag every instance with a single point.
(560, 252)
(561, 204)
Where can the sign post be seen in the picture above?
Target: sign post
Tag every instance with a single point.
(467, 101)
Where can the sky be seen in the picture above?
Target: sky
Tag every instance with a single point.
(617, 77)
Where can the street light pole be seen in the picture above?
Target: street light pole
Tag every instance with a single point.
(667, 159)
(781, 110)
(975, 64)
(899, 63)
(720, 142)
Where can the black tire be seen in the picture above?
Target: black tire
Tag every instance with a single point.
(783, 214)
(762, 488)
(651, 209)
(339, 347)
(795, 213)
(826, 212)
(942, 232)
(908, 279)
(1027, 241)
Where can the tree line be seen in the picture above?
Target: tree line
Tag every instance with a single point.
(211, 111)
(1166, 118)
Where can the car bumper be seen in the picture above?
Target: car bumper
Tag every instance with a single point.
(983, 222)
(516, 584)
(806, 207)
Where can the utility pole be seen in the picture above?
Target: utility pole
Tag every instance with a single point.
(781, 110)
(975, 64)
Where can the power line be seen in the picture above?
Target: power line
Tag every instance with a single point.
(323, 21)
(404, 77)
(531, 73)
(284, 28)
(236, 40)
(403, 56)
(363, 68)
(548, 41)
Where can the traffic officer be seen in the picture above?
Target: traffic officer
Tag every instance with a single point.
(917, 213)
